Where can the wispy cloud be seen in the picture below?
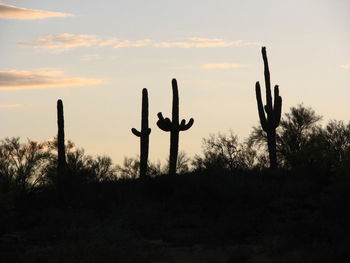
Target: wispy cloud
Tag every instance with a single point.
(14, 12)
(13, 106)
(137, 43)
(208, 66)
(223, 66)
(198, 43)
(62, 42)
(40, 79)
(345, 66)
(69, 41)
(109, 42)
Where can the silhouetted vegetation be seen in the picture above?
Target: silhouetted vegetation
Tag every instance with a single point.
(61, 153)
(302, 144)
(270, 122)
(143, 134)
(174, 127)
(226, 205)
(224, 152)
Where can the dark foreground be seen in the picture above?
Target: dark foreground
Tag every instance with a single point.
(250, 217)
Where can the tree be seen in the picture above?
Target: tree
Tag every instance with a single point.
(80, 168)
(296, 136)
(131, 167)
(224, 152)
(22, 164)
(336, 140)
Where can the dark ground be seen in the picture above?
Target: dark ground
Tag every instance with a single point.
(245, 217)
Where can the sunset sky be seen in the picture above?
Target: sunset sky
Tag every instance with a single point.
(98, 55)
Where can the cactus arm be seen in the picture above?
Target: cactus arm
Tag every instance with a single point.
(136, 132)
(268, 106)
(164, 124)
(277, 107)
(260, 106)
(184, 127)
(142, 133)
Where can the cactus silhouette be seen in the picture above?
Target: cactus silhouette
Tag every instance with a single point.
(143, 134)
(270, 122)
(174, 127)
(61, 159)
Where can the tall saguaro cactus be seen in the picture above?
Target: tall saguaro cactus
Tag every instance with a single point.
(174, 127)
(143, 134)
(61, 162)
(271, 120)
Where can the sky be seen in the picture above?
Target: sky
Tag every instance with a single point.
(97, 56)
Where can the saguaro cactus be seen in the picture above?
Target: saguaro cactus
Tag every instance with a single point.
(143, 134)
(174, 127)
(270, 122)
(61, 160)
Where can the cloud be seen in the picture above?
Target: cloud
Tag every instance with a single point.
(190, 42)
(223, 66)
(12, 106)
(41, 79)
(67, 41)
(119, 43)
(62, 42)
(199, 43)
(137, 43)
(14, 12)
(208, 66)
(109, 42)
(345, 66)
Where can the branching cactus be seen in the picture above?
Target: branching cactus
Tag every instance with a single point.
(271, 120)
(174, 127)
(143, 134)
(61, 162)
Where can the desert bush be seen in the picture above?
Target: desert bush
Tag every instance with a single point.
(131, 167)
(296, 137)
(223, 151)
(335, 139)
(303, 144)
(22, 165)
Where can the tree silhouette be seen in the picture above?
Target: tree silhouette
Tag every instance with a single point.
(22, 165)
(296, 139)
(296, 136)
(223, 151)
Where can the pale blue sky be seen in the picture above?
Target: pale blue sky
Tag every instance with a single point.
(98, 55)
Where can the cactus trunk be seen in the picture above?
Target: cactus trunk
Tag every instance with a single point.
(61, 157)
(271, 120)
(271, 144)
(174, 149)
(174, 127)
(174, 133)
(144, 135)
